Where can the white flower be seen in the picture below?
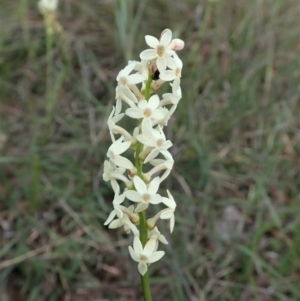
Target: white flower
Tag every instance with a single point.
(169, 212)
(117, 148)
(170, 98)
(147, 110)
(126, 95)
(160, 164)
(175, 64)
(144, 195)
(115, 129)
(118, 200)
(146, 255)
(47, 5)
(141, 67)
(176, 44)
(163, 121)
(157, 141)
(125, 80)
(176, 89)
(111, 172)
(157, 235)
(138, 86)
(125, 221)
(160, 50)
(169, 202)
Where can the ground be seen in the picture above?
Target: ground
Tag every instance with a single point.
(236, 137)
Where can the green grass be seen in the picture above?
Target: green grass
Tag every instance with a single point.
(236, 141)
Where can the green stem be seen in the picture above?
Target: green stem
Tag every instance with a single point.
(49, 82)
(142, 215)
(138, 163)
(144, 238)
(146, 287)
(143, 228)
(148, 87)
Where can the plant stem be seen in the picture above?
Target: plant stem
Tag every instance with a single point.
(49, 82)
(146, 287)
(142, 215)
(143, 238)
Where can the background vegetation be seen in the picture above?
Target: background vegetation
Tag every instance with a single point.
(236, 138)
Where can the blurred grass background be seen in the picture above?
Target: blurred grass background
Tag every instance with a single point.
(236, 136)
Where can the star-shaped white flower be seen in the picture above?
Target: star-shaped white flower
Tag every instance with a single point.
(126, 222)
(116, 129)
(144, 195)
(157, 141)
(175, 64)
(146, 255)
(148, 110)
(117, 148)
(160, 164)
(113, 173)
(124, 94)
(111, 122)
(169, 212)
(155, 234)
(141, 67)
(160, 50)
(125, 79)
(118, 200)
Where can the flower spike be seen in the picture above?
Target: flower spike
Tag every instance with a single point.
(139, 159)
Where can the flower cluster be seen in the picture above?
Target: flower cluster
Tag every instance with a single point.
(138, 84)
(47, 5)
(48, 9)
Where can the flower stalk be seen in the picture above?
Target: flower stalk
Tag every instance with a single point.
(138, 84)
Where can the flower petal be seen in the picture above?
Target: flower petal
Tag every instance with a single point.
(115, 224)
(167, 145)
(168, 75)
(172, 223)
(121, 148)
(153, 154)
(146, 140)
(156, 256)
(157, 114)
(167, 214)
(171, 63)
(155, 199)
(153, 102)
(135, 79)
(166, 38)
(149, 247)
(139, 185)
(142, 267)
(134, 113)
(148, 54)
(143, 104)
(123, 162)
(133, 196)
(153, 186)
(161, 64)
(141, 207)
(169, 202)
(119, 212)
(137, 246)
(146, 127)
(110, 217)
(133, 254)
(127, 70)
(151, 41)
(128, 93)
